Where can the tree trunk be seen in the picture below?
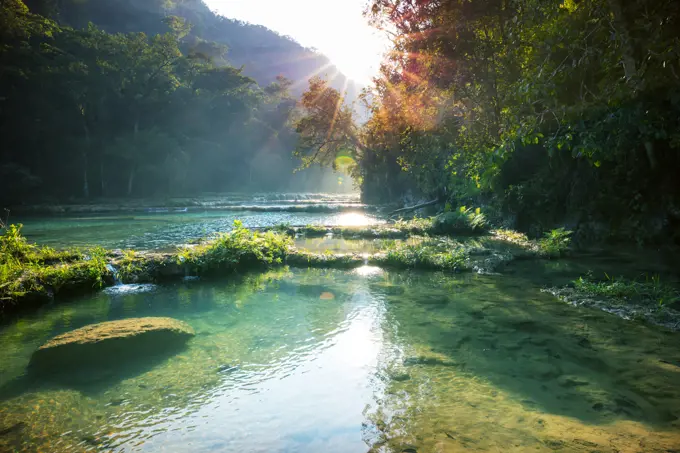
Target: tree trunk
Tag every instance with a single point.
(133, 169)
(629, 65)
(413, 208)
(627, 51)
(86, 184)
(101, 176)
(651, 156)
(131, 180)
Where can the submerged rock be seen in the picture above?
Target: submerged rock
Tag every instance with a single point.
(111, 343)
(626, 308)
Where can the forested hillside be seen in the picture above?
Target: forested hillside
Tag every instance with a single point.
(264, 53)
(132, 98)
(547, 113)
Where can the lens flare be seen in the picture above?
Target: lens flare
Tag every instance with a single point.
(344, 162)
(354, 219)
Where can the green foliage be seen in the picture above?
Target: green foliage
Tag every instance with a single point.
(26, 269)
(328, 259)
(648, 290)
(15, 249)
(550, 111)
(282, 228)
(239, 249)
(511, 236)
(416, 225)
(556, 242)
(326, 128)
(132, 264)
(163, 109)
(463, 221)
(427, 255)
(314, 230)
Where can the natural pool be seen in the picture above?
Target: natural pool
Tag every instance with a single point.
(143, 231)
(353, 361)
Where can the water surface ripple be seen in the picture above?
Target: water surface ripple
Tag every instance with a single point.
(351, 361)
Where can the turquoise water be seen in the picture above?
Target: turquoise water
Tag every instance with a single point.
(352, 361)
(143, 231)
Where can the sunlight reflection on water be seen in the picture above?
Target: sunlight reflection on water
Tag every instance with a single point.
(163, 230)
(367, 271)
(351, 361)
(355, 219)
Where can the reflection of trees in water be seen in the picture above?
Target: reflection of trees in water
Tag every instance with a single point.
(491, 363)
(466, 362)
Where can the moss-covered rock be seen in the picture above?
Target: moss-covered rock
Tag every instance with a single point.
(111, 343)
(300, 258)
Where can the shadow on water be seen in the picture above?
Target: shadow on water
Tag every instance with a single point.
(630, 264)
(481, 362)
(89, 380)
(553, 358)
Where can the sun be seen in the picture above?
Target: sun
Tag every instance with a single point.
(358, 54)
(336, 29)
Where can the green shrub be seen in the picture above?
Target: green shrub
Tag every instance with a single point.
(463, 221)
(650, 290)
(283, 228)
(132, 264)
(27, 268)
(555, 243)
(416, 225)
(428, 255)
(314, 230)
(15, 248)
(240, 247)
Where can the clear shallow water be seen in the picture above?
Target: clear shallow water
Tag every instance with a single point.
(337, 244)
(144, 231)
(353, 361)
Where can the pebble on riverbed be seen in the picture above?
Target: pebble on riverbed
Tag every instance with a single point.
(624, 308)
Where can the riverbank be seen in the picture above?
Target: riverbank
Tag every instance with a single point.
(31, 276)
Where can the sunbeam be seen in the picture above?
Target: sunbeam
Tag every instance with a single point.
(338, 30)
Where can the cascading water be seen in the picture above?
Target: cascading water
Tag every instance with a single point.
(187, 274)
(121, 288)
(114, 272)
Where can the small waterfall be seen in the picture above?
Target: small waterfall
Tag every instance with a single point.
(120, 288)
(114, 272)
(188, 277)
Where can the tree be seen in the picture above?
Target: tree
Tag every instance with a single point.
(77, 103)
(326, 128)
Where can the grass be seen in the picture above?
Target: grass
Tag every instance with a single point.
(417, 225)
(649, 290)
(313, 230)
(27, 269)
(431, 256)
(463, 221)
(130, 265)
(324, 260)
(511, 236)
(15, 248)
(240, 248)
(282, 228)
(427, 255)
